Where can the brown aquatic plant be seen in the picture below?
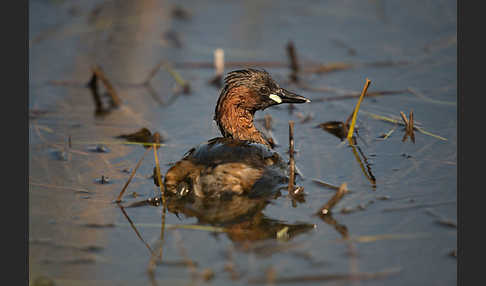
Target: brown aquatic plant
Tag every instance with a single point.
(409, 127)
(294, 63)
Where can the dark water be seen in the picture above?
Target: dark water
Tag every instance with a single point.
(78, 236)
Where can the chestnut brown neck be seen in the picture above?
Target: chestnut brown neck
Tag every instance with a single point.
(234, 115)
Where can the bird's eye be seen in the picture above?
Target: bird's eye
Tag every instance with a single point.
(264, 90)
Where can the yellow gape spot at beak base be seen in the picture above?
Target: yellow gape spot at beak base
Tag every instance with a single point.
(275, 98)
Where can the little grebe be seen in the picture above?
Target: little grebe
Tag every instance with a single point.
(242, 160)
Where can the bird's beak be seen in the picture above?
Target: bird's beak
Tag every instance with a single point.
(285, 96)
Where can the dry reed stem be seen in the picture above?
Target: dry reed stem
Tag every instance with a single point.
(93, 85)
(109, 87)
(326, 208)
(355, 113)
(392, 120)
(219, 61)
(294, 64)
(389, 133)
(157, 167)
(118, 199)
(291, 160)
(409, 126)
(325, 184)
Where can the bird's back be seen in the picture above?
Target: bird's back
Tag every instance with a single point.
(227, 166)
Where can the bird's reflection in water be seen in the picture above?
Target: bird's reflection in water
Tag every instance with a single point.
(240, 216)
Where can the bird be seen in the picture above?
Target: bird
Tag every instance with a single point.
(242, 161)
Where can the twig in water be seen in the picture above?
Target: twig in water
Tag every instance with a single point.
(115, 100)
(356, 109)
(392, 120)
(217, 80)
(326, 208)
(409, 127)
(291, 159)
(388, 134)
(157, 166)
(118, 199)
(327, 185)
(293, 192)
(294, 64)
(93, 86)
